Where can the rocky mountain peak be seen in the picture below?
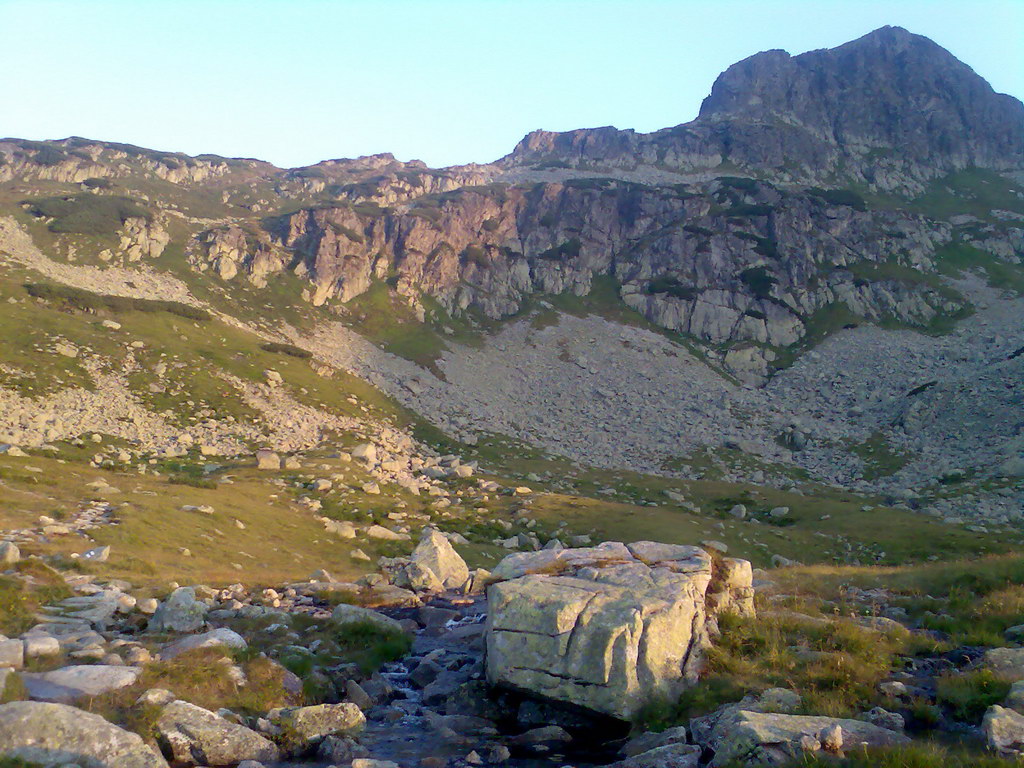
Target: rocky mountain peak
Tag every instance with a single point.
(891, 110)
(888, 89)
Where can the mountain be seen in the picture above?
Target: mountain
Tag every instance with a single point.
(891, 110)
(431, 451)
(870, 185)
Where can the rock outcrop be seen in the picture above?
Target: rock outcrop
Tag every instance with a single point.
(195, 736)
(56, 734)
(891, 109)
(608, 628)
(760, 738)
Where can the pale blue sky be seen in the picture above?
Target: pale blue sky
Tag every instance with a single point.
(446, 81)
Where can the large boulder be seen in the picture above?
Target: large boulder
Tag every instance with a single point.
(1007, 663)
(56, 734)
(345, 614)
(303, 728)
(435, 554)
(79, 681)
(222, 637)
(608, 628)
(1004, 731)
(192, 735)
(180, 612)
(741, 737)
(668, 756)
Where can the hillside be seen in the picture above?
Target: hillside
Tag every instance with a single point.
(790, 331)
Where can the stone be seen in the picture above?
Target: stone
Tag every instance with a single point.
(40, 645)
(221, 637)
(339, 750)
(69, 684)
(668, 756)
(648, 741)
(157, 697)
(1004, 731)
(12, 654)
(180, 612)
(343, 528)
(345, 614)
(761, 737)
(267, 460)
(1007, 663)
(436, 554)
(357, 694)
(97, 554)
(883, 718)
(9, 553)
(366, 452)
(548, 734)
(1015, 698)
(147, 605)
(305, 727)
(831, 738)
(56, 734)
(739, 512)
(193, 735)
(380, 532)
(608, 628)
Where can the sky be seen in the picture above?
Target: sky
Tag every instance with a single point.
(444, 81)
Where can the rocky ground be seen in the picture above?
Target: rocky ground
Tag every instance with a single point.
(614, 395)
(557, 625)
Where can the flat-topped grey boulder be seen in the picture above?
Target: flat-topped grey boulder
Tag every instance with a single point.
(56, 734)
(609, 628)
(741, 737)
(1007, 663)
(68, 684)
(195, 736)
(344, 614)
(667, 756)
(221, 637)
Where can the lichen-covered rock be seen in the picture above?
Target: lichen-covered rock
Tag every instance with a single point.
(195, 736)
(303, 728)
(344, 614)
(220, 637)
(762, 738)
(69, 684)
(180, 612)
(433, 566)
(1004, 730)
(1008, 663)
(666, 756)
(57, 734)
(608, 628)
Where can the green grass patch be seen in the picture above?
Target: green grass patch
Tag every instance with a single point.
(956, 258)
(286, 349)
(69, 298)
(22, 596)
(879, 457)
(969, 694)
(86, 213)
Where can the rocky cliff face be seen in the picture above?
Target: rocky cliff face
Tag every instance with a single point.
(728, 262)
(890, 109)
(741, 229)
